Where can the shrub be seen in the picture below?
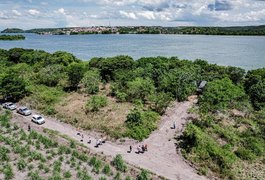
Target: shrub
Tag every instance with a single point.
(8, 172)
(91, 81)
(95, 103)
(34, 176)
(21, 165)
(67, 174)
(106, 170)
(119, 164)
(144, 175)
(117, 176)
(245, 154)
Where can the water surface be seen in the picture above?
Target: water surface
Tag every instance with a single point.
(247, 52)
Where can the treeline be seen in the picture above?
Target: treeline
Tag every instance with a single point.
(11, 37)
(236, 30)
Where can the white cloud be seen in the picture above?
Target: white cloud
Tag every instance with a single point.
(147, 14)
(60, 11)
(16, 13)
(129, 15)
(33, 12)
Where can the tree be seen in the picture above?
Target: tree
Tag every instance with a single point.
(257, 95)
(220, 94)
(51, 75)
(160, 101)
(180, 83)
(140, 88)
(75, 73)
(12, 86)
(61, 57)
(91, 81)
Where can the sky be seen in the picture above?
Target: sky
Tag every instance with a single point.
(28, 14)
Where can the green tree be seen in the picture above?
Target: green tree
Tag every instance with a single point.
(160, 101)
(220, 94)
(180, 83)
(91, 81)
(51, 75)
(62, 58)
(140, 88)
(13, 86)
(75, 73)
(257, 95)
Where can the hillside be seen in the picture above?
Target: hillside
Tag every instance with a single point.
(124, 98)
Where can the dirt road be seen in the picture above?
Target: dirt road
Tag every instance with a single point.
(161, 157)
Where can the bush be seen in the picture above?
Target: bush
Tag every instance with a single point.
(8, 172)
(95, 103)
(67, 174)
(21, 165)
(144, 175)
(91, 81)
(140, 123)
(119, 164)
(106, 170)
(245, 154)
(220, 95)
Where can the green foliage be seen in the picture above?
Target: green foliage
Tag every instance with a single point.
(106, 169)
(160, 101)
(91, 81)
(144, 175)
(108, 66)
(51, 75)
(141, 123)
(62, 58)
(12, 86)
(34, 176)
(220, 94)
(21, 165)
(140, 89)
(257, 95)
(11, 37)
(8, 172)
(119, 164)
(75, 73)
(67, 174)
(180, 83)
(96, 102)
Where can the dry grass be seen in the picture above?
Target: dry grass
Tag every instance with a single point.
(109, 119)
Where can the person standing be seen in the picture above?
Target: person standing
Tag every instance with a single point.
(29, 128)
(130, 148)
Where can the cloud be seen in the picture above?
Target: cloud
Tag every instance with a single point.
(129, 15)
(33, 12)
(16, 13)
(60, 11)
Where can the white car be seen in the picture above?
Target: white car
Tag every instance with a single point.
(38, 119)
(24, 111)
(10, 105)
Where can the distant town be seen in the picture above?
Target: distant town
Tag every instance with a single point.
(236, 30)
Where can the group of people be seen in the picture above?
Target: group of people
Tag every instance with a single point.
(140, 149)
(99, 141)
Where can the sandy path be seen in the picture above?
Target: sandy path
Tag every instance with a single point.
(161, 157)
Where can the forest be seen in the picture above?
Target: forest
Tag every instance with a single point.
(11, 37)
(227, 138)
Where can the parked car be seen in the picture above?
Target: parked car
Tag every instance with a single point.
(38, 119)
(24, 111)
(10, 105)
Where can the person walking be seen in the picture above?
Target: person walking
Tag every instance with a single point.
(145, 147)
(174, 125)
(89, 140)
(130, 149)
(82, 136)
(29, 128)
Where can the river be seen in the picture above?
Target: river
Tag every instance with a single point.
(247, 52)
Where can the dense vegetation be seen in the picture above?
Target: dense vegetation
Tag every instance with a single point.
(50, 155)
(11, 37)
(226, 139)
(236, 30)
